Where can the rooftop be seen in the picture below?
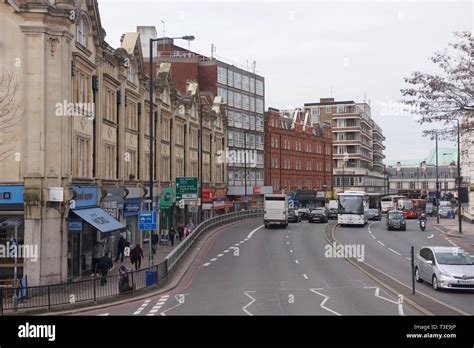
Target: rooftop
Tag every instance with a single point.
(445, 157)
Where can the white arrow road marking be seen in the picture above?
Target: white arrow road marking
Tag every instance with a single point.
(326, 298)
(377, 292)
(179, 304)
(255, 230)
(430, 236)
(244, 308)
(396, 252)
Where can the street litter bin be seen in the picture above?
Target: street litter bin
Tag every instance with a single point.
(151, 278)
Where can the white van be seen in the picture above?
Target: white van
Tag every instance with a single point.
(276, 210)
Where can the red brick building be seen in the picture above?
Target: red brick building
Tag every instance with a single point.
(298, 154)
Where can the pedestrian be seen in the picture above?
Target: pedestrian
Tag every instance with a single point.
(136, 256)
(172, 235)
(155, 239)
(181, 232)
(104, 266)
(190, 227)
(97, 255)
(121, 249)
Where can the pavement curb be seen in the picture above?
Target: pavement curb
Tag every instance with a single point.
(176, 280)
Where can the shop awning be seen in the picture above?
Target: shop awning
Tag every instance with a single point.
(100, 220)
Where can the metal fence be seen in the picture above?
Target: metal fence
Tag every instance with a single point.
(91, 290)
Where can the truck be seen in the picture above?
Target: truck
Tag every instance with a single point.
(275, 210)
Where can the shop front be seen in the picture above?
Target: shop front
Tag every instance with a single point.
(112, 203)
(88, 225)
(219, 201)
(131, 210)
(207, 202)
(167, 208)
(11, 218)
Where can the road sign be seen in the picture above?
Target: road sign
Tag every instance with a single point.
(147, 220)
(186, 188)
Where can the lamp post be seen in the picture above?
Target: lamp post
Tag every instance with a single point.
(399, 168)
(151, 43)
(423, 169)
(459, 177)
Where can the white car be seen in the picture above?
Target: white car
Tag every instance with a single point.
(444, 268)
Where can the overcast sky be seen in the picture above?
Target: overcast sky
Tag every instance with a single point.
(359, 50)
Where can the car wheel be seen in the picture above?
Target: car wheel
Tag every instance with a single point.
(434, 283)
(417, 276)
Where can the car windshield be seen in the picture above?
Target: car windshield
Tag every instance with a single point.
(453, 259)
(395, 216)
(373, 211)
(351, 204)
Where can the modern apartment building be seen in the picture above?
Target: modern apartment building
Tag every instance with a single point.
(298, 153)
(243, 92)
(357, 144)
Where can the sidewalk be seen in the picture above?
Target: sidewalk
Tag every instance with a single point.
(451, 227)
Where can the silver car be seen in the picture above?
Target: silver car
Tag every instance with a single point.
(445, 268)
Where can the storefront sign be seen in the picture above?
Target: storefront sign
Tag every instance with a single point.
(85, 196)
(186, 188)
(207, 206)
(207, 195)
(257, 189)
(130, 208)
(11, 197)
(74, 225)
(220, 204)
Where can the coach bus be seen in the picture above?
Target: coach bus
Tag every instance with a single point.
(353, 206)
(390, 202)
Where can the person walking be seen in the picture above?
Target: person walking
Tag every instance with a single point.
(172, 235)
(189, 228)
(155, 239)
(136, 256)
(97, 255)
(104, 266)
(122, 243)
(180, 232)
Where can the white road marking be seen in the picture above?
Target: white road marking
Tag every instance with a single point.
(179, 304)
(103, 314)
(206, 264)
(255, 230)
(326, 298)
(220, 255)
(291, 250)
(380, 243)
(244, 308)
(396, 252)
(296, 261)
(430, 236)
(377, 294)
(288, 243)
(214, 259)
(305, 276)
(236, 244)
(226, 250)
(142, 307)
(408, 258)
(241, 242)
(287, 236)
(373, 237)
(246, 239)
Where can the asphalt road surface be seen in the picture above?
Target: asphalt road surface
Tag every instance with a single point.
(250, 270)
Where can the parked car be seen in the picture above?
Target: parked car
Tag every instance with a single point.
(396, 220)
(446, 212)
(318, 215)
(332, 214)
(374, 214)
(293, 216)
(303, 213)
(444, 268)
(429, 209)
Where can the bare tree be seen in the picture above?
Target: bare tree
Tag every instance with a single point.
(448, 95)
(10, 111)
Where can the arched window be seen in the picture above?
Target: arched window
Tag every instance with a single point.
(131, 73)
(81, 32)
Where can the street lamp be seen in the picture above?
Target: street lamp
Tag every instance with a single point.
(152, 41)
(423, 169)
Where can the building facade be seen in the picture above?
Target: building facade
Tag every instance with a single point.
(298, 153)
(357, 145)
(243, 93)
(77, 150)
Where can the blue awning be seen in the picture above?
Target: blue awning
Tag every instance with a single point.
(100, 220)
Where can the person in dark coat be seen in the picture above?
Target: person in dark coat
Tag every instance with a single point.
(181, 232)
(155, 239)
(136, 256)
(104, 266)
(172, 235)
(122, 243)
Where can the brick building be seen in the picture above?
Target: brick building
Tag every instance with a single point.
(298, 153)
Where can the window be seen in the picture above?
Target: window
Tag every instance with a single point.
(230, 98)
(194, 168)
(245, 83)
(81, 32)
(245, 102)
(180, 166)
(230, 138)
(259, 105)
(131, 112)
(245, 121)
(179, 134)
(341, 109)
(252, 104)
(237, 100)
(252, 85)
(230, 118)
(110, 105)
(259, 87)
(223, 93)
(412, 185)
(131, 164)
(252, 122)
(259, 141)
(82, 157)
(82, 92)
(230, 78)
(238, 120)
(259, 124)
(221, 75)
(110, 161)
(165, 129)
(165, 167)
(237, 80)
(131, 73)
(328, 110)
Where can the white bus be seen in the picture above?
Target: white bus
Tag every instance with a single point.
(389, 202)
(276, 210)
(353, 206)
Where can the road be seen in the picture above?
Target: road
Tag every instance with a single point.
(389, 251)
(250, 270)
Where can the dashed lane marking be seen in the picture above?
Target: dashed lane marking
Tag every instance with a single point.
(226, 250)
(296, 261)
(214, 259)
(255, 230)
(380, 243)
(305, 276)
(206, 264)
(291, 250)
(373, 237)
(396, 252)
(220, 255)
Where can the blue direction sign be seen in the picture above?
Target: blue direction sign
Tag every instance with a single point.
(147, 220)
